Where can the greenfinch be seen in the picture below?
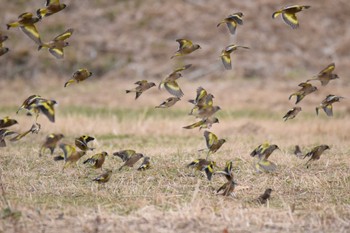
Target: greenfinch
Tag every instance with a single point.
(28, 102)
(169, 102)
(146, 164)
(79, 76)
(205, 112)
(3, 37)
(327, 104)
(170, 84)
(124, 154)
(292, 113)
(289, 14)
(201, 93)
(50, 143)
(316, 153)
(132, 160)
(56, 45)
(263, 151)
(4, 133)
(203, 124)
(40, 105)
(228, 187)
(97, 160)
(71, 155)
(185, 47)
(82, 142)
(212, 142)
(306, 89)
(143, 85)
(26, 23)
(326, 75)
(262, 199)
(104, 177)
(204, 165)
(232, 21)
(227, 172)
(226, 55)
(265, 165)
(51, 7)
(34, 129)
(7, 122)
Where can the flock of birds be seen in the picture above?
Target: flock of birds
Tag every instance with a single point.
(203, 107)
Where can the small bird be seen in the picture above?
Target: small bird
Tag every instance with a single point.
(292, 113)
(168, 102)
(51, 7)
(212, 141)
(265, 165)
(97, 160)
(205, 112)
(170, 84)
(209, 171)
(3, 49)
(79, 76)
(262, 199)
(28, 102)
(104, 177)
(327, 106)
(34, 129)
(4, 133)
(227, 172)
(230, 185)
(124, 154)
(50, 143)
(204, 104)
(201, 94)
(7, 122)
(143, 85)
(232, 21)
(203, 124)
(326, 75)
(289, 14)
(306, 89)
(316, 153)
(26, 23)
(297, 152)
(200, 164)
(146, 164)
(56, 45)
(38, 104)
(82, 142)
(132, 160)
(263, 151)
(71, 155)
(185, 47)
(226, 55)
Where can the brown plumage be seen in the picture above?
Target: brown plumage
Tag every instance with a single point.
(104, 177)
(212, 142)
(306, 89)
(316, 153)
(203, 124)
(50, 143)
(35, 128)
(82, 142)
(51, 7)
(132, 160)
(326, 75)
(169, 102)
(292, 113)
(185, 47)
(262, 199)
(97, 160)
(57, 45)
(7, 122)
(3, 134)
(143, 85)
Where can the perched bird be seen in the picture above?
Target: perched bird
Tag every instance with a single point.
(51, 7)
(232, 21)
(56, 45)
(297, 151)
(316, 153)
(226, 55)
(4, 133)
(265, 165)
(230, 185)
(306, 89)
(124, 154)
(263, 151)
(185, 47)
(146, 164)
(212, 141)
(289, 14)
(82, 142)
(50, 143)
(168, 102)
(3, 49)
(71, 155)
(26, 23)
(34, 129)
(132, 160)
(143, 85)
(79, 76)
(204, 123)
(97, 160)
(38, 104)
(292, 113)
(326, 75)
(327, 106)
(7, 122)
(262, 199)
(104, 177)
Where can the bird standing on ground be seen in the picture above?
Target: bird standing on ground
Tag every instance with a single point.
(262, 199)
(131, 160)
(79, 76)
(289, 14)
(7, 122)
(292, 113)
(327, 104)
(34, 129)
(326, 75)
(143, 85)
(51, 7)
(82, 142)
(297, 152)
(124, 154)
(56, 45)
(232, 21)
(26, 23)
(97, 160)
(104, 177)
(263, 151)
(185, 47)
(50, 143)
(226, 55)
(316, 153)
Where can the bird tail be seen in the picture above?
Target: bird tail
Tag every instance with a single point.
(58, 158)
(12, 25)
(69, 82)
(276, 14)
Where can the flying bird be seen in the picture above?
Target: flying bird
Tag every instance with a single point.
(170, 83)
(228, 187)
(226, 55)
(203, 124)
(78, 76)
(292, 113)
(37, 104)
(146, 164)
(212, 142)
(132, 160)
(232, 21)
(306, 89)
(35, 128)
(50, 143)
(263, 151)
(26, 23)
(327, 104)
(143, 85)
(3, 49)
(56, 45)
(51, 7)
(185, 47)
(326, 75)
(316, 153)
(169, 102)
(97, 160)
(7, 122)
(71, 155)
(289, 14)
(124, 154)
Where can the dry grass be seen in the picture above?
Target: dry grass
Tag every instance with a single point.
(253, 98)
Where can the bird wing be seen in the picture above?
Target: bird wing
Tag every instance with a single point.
(57, 52)
(226, 60)
(181, 68)
(291, 20)
(67, 149)
(232, 25)
(47, 107)
(326, 71)
(50, 2)
(184, 43)
(328, 109)
(210, 138)
(64, 35)
(174, 89)
(32, 33)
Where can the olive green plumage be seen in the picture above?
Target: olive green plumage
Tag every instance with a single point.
(212, 142)
(327, 104)
(35, 128)
(79, 76)
(226, 55)
(97, 160)
(316, 153)
(185, 47)
(26, 23)
(37, 105)
(82, 142)
(57, 45)
(289, 14)
(143, 85)
(146, 164)
(104, 177)
(292, 113)
(232, 21)
(7, 122)
(50, 143)
(171, 101)
(326, 75)
(51, 7)
(306, 89)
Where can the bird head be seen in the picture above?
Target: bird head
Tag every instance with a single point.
(104, 153)
(152, 84)
(66, 44)
(216, 120)
(197, 46)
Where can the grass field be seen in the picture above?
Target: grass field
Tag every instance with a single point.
(125, 41)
